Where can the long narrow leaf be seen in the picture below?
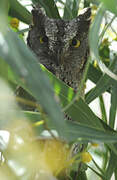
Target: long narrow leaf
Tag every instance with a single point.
(78, 131)
(4, 7)
(94, 74)
(75, 8)
(19, 11)
(50, 8)
(103, 84)
(113, 107)
(94, 40)
(78, 111)
(67, 10)
(103, 110)
(110, 5)
(25, 71)
(112, 164)
(94, 32)
(32, 76)
(115, 173)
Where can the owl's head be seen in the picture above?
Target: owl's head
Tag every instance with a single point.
(60, 42)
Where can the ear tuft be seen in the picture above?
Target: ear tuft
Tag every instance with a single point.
(84, 20)
(85, 14)
(38, 15)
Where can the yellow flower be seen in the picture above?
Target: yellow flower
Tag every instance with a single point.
(105, 42)
(95, 64)
(107, 59)
(95, 144)
(14, 23)
(54, 155)
(115, 39)
(94, 7)
(86, 157)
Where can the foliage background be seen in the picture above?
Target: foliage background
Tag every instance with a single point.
(17, 67)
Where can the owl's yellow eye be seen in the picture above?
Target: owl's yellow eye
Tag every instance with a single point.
(43, 39)
(75, 43)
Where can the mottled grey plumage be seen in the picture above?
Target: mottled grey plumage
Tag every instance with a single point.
(58, 52)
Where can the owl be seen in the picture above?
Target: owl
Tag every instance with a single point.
(61, 45)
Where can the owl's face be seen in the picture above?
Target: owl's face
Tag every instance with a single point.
(61, 45)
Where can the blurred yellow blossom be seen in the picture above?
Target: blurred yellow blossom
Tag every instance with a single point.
(95, 144)
(115, 39)
(86, 157)
(94, 11)
(94, 7)
(95, 64)
(54, 154)
(14, 23)
(105, 41)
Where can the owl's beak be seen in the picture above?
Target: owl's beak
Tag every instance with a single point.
(60, 57)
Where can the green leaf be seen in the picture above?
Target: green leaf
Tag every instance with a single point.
(115, 173)
(82, 175)
(20, 12)
(35, 118)
(3, 69)
(71, 9)
(36, 83)
(94, 74)
(102, 85)
(79, 111)
(4, 6)
(110, 5)
(98, 167)
(112, 164)
(6, 72)
(113, 107)
(75, 8)
(80, 132)
(95, 2)
(86, 3)
(94, 41)
(103, 110)
(68, 10)
(94, 32)
(50, 8)
(97, 173)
